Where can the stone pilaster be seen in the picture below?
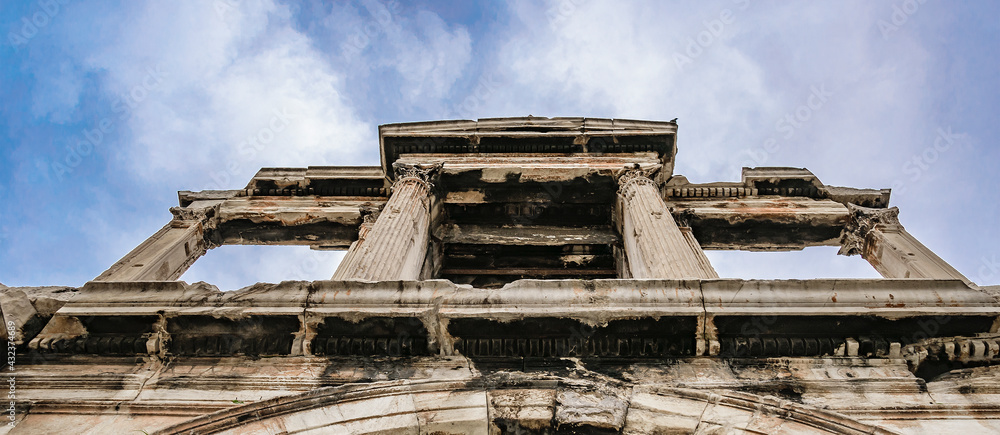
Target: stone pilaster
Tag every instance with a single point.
(395, 246)
(169, 252)
(655, 246)
(879, 238)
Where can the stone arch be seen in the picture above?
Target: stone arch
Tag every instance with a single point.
(522, 405)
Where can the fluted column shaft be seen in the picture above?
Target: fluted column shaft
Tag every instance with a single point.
(655, 247)
(878, 237)
(395, 246)
(169, 252)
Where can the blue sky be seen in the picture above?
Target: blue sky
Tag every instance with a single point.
(109, 108)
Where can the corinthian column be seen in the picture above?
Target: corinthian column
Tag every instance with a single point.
(395, 246)
(168, 253)
(655, 247)
(876, 234)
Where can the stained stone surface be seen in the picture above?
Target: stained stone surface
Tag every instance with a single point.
(515, 275)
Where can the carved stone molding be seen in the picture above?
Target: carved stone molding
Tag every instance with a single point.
(862, 221)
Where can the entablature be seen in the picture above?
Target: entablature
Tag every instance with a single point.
(530, 135)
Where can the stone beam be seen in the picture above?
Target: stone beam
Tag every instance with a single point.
(594, 301)
(396, 245)
(325, 222)
(168, 253)
(534, 235)
(762, 223)
(654, 245)
(544, 136)
(537, 168)
(878, 237)
(296, 210)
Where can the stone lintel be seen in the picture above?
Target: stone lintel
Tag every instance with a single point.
(532, 235)
(762, 223)
(502, 168)
(892, 298)
(297, 210)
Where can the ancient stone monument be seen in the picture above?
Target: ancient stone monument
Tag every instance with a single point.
(515, 275)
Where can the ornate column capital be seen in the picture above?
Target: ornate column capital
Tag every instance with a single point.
(862, 221)
(203, 214)
(420, 174)
(633, 174)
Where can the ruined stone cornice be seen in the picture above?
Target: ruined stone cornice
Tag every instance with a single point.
(596, 300)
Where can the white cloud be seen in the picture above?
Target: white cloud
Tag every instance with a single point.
(426, 55)
(632, 61)
(218, 93)
(431, 66)
(730, 74)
